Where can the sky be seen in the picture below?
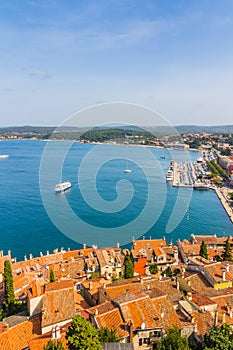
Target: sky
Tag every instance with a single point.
(58, 57)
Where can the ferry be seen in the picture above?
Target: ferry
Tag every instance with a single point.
(4, 156)
(169, 176)
(61, 187)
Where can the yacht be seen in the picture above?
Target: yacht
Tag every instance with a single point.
(128, 171)
(169, 176)
(63, 186)
(4, 155)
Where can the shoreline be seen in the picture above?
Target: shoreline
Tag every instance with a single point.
(224, 202)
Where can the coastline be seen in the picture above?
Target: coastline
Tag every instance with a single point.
(222, 197)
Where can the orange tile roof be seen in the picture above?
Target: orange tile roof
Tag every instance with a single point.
(58, 303)
(39, 342)
(216, 271)
(165, 315)
(110, 320)
(149, 243)
(54, 286)
(201, 299)
(18, 337)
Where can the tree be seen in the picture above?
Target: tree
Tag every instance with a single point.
(108, 335)
(153, 268)
(204, 251)
(219, 338)
(82, 335)
(9, 295)
(129, 270)
(173, 340)
(54, 345)
(51, 276)
(226, 255)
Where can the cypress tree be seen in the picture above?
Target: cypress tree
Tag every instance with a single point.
(129, 269)
(51, 276)
(204, 251)
(227, 256)
(9, 295)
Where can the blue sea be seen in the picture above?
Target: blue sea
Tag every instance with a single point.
(105, 205)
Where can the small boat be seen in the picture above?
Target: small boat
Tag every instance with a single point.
(63, 186)
(4, 156)
(162, 157)
(127, 170)
(199, 160)
(170, 176)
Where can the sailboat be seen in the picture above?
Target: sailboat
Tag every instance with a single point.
(127, 170)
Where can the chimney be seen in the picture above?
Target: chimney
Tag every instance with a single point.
(1, 252)
(189, 283)
(189, 294)
(41, 254)
(57, 332)
(130, 324)
(177, 285)
(84, 246)
(90, 285)
(47, 252)
(143, 237)
(68, 249)
(96, 312)
(148, 286)
(104, 285)
(53, 333)
(30, 256)
(224, 318)
(118, 245)
(9, 253)
(227, 267)
(141, 279)
(224, 274)
(192, 320)
(15, 259)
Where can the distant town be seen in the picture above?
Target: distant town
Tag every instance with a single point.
(136, 296)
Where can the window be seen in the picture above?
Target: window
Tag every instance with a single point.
(140, 342)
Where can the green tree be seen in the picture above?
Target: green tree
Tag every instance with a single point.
(108, 335)
(82, 335)
(226, 255)
(54, 345)
(204, 251)
(153, 268)
(219, 338)
(129, 269)
(1, 315)
(173, 340)
(9, 295)
(51, 276)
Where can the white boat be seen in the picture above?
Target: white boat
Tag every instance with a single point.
(63, 186)
(169, 176)
(127, 169)
(4, 155)
(199, 160)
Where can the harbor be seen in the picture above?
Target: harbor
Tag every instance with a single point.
(196, 175)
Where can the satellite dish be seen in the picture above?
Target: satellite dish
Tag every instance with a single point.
(143, 326)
